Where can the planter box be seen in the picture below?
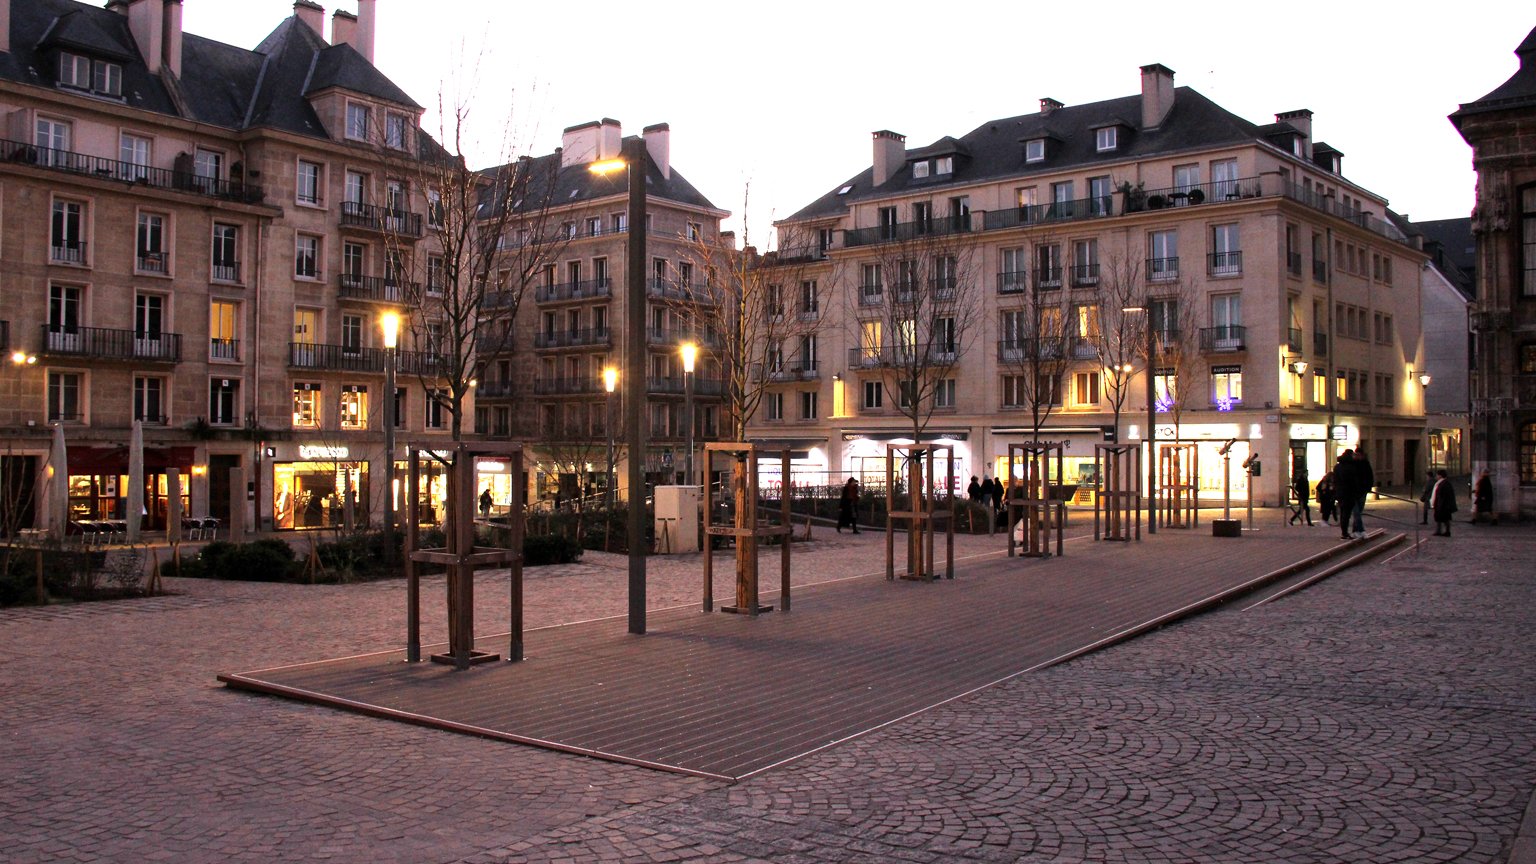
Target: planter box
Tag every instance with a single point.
(1226, 527)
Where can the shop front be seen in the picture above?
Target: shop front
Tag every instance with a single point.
(317, 489)
(1078, 453)
(865, 455)
(98, 483)
(807, 462)
(1222, 451)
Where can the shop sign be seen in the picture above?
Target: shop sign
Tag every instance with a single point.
(1341, 432)
(319, 451)
(491, 467)
(1308, 431)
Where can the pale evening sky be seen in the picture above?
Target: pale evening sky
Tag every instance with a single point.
(783, 96)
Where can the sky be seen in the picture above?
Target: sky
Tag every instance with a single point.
(772, 105)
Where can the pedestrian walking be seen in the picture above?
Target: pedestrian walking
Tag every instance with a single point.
(1430, 477)
(973, 491)
(1326, 498)
(847, 505)
(1303, 499)
(1346, 488)
(1442, 499)
(1367, 482)
(485, 504)
(991, 491)
(1482, 498)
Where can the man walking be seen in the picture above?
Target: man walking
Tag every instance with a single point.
(1346, 488)
(1367, 481)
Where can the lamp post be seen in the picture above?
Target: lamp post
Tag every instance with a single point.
(390, 321)
(610, 381)
(1151, 434)
(690, 356)
(1429, 453)
(633, 161)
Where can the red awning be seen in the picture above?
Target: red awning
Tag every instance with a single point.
(114, 460)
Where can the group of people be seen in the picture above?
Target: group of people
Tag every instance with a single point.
(1341, 493)
(1439, 500)
(988, 491)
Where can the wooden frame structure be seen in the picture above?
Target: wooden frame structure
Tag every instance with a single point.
(1178, 485)
(922, 511)
(1117, 507)
(461, 556)
(746, 530)
(1030, 501)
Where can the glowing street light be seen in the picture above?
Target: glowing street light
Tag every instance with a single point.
(390, 322)
(690, 351)
(610, 383)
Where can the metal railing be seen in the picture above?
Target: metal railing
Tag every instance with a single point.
(1048, 277)
(153, 262)
(68, 252)
(128, 172)
(1293, 263)
(227, 272)
(379, 289)
(871, 294)
(1293, 339)
(1013, 282)
(224, 349)
(801, 370)
(1225, 263)
(1320, 343)
(875, 356)
(573, 338)
(674, 386)
(374, 218)
(1085, 275)
(666, 289)
(1227, 338)
(585, 289)
(1029, 349)
(111, 344)
(1320, 271)
(932, 226)
(1162, 269)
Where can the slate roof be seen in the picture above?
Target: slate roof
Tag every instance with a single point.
(996, 148)
(1518, 92)
(221, 84)
(576, 184)
(1451, 244)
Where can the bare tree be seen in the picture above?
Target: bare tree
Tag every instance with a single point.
(1112, 327)
(1032, 348)
(1175, 311)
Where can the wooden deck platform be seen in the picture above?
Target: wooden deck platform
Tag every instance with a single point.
(727, 696)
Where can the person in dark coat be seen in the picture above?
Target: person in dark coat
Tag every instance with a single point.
(1303, 498)
(1326, 499)
(1442, 500)
(1482, 498)
(847, 505)
(973, 491)
(1429, 489)
(1346, 489)
(1365, 483)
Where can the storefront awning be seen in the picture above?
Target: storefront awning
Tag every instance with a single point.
(893, 434)
(1050, 431)
(114, 460)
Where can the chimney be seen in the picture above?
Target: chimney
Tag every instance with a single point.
(146, 21)
(344, 29)
(578, 144)
(890, 154)
(610, 138)
(1047, 105)
(1156, 95)
(658, 143)
(1301, 121)
(171, 33)
(312, 14)
(118, 6)
(366, 20)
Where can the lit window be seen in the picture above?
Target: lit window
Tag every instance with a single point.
(1226, 386)
(1107, 138)
(306, 406)
(354, 407)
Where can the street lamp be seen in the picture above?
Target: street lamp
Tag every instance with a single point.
(610, 381)
(690, 356)
(633, 160)
(390, 321)
(1151, 433)
(22, 358)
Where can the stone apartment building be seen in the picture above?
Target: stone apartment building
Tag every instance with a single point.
(549, 389)
(202, 238)
(1286, 294)
(1501, 127)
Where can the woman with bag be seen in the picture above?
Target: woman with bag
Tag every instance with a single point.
(847, 505)
(1443, 501)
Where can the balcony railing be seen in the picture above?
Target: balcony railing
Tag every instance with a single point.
(1013, 282)
(1162, 269)
(374, 218)
(586, 289)
(1083, 348)
(562, 386)
(1334, 207)
(1227, 338)
(127, 172)
(871, 294)
(349, 358)
(586, 336)
(109, 344)
(1320, 272)
(68, 252)
(675, 386)
(495, 389)
(666, 289)
(224, 349)
(154, 262)
(1293, 263)
(1293, 339)
(1085, 275)
(1225, 263)
(1048, 277)
(932, 226)
(227, 272)
(666, 337)
(1030, 350)
(877, 356)
(377, 289)
(1056, 211)
(800, 370)
(1319, 343)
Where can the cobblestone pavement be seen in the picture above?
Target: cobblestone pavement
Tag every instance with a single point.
(1387, 714)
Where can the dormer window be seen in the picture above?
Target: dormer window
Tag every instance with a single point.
(919, 170)
(1034, 150)
(79, 72)
(1106, 139)
(944, 165)
(357, 121)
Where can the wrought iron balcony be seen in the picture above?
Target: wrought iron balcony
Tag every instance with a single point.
(1048, 278)
(109, 344)
(932, 226)
(1162, 269)
(376, 289)
(127, 172)
(1320, 272)
(1293, 263)
(1293, 339)
(1083, 348)
(673, 338)
(68, 252)
(872, 294)
(1026, 350)
(1085, 275)
(584, 337)
(1013, 282)
(586, 289)
(224, 349)
(400, 223)
(1319, 343)
(229, 272)
(562, 386)
(800, 370)
(675, 386)
(880, 356)
(1056, 211)
(344, 358)
(153, 262)
(1219, 339)
(495, 389)
(1225, 263)
(667, 289)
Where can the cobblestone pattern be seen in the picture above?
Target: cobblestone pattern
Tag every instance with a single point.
(1385, 715)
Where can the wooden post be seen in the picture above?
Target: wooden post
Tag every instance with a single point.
(412, 536)
(709, 538)
(515, 534)
(789, 531)
(462, 494)
(890, 521)
(749, 571)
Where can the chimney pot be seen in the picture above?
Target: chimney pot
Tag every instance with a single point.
(658, 143)
(146, 21)
(171, 34)
(1301, 121)
(312, 15)
(367, 21)
(1047, 105)
(890, 154)
(1156, 94)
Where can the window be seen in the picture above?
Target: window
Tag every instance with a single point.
(1048, 388)
(68, 232)
(808, 404)
(133, 152)
(1106, 139)
(1028, 198)
(437, 274)
(1163, 256)
(1383, 328)
(619, 221)
(306, 406)
(354, 406)
(1085, 389)
(1226, 253)
(223, 401)
(306, 257)
(1319, 389)
(64, 397)
(1062, 200)
(1224, 179)
(874, 396)
(887, 223)
(920, 169)
(434, 404)
(810, 300)
(357, 121)
(207, 169)
(1165, 389)
(1226, 320)
(1048, 265)
(1100, 203)
(85, 73)
(352, 255)
(1528, 445)
(871, 288)
(148, 324)
(1527, 254)
(354, 191)
(945, 339)
(944, 393)
(906, 393)
(944, 165)
(226, 245)
(149, 399)
(1185, 179)
(1386, 390)
(396, 128)
(1226, 386)
(1034, 150)
(306, 326)
(308, 183)
(870, 346)
(65, 306)
(1015, 393)
(152, 257)
(1085, 262)
(223, 330)
(352, 334)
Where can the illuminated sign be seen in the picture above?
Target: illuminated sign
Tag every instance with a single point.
(1308, 431)
(317, 451)
(491, 467)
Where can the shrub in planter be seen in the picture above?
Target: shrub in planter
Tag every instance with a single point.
(265, 560)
